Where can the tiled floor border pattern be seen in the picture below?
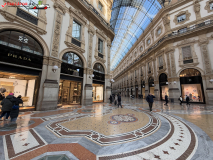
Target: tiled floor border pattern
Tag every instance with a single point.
(9, 148)
(184, 156)
(61, 131)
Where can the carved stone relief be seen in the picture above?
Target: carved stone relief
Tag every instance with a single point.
(166, 22)
(197, 9)
(207, 7)
(91, 32)
(56, 37)
(203, 42)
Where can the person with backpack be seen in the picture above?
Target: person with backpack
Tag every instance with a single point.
(15, 109)
(150, 100)
(7, 105)
(187, 100)
(166, 99)
(119, 101)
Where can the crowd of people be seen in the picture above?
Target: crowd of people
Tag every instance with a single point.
(116, 99)
(10, 107)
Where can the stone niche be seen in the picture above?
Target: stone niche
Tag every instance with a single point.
(50, 95)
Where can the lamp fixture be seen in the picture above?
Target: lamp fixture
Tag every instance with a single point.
(211, 80)
(92, 76)
(54, 69)
(174, 82)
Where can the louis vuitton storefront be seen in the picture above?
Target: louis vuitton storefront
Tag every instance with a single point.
(20, 65)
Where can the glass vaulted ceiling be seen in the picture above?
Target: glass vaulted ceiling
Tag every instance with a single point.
(129, 19)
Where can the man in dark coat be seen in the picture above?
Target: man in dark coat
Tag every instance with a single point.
(15, 112)
(187, 100)
(110, 98)
(150, 100)
(166, 99)
(119, 101)
(7, 105)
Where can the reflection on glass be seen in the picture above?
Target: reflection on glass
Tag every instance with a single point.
(69, 92)
(72, 58)
(76, 30)
(190, 73)
(193, 91)
(164, 91)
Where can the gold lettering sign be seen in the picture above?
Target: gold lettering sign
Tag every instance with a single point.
(69, 69)
(18, 57)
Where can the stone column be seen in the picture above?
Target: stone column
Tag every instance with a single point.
(207, 85)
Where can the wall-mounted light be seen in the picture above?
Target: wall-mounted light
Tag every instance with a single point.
(54, 69)
(211, 80)
(174, 82)
(167, 83)
(153, 85)
(92, 76)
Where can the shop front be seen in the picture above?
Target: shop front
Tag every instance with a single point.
(136, 91)
(71, 78)
(163, 83)
(143, 89)
(192, 85)
(20, 66)
(98, 83)
(151, 85)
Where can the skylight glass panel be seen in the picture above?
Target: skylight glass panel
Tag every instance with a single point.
(129, 19)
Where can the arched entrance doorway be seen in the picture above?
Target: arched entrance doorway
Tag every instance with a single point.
(163, 83)
(71, 78)
(20, 65)
(192, 85)
(151, 85)
(98, 83)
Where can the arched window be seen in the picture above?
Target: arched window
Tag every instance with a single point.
(98, 68)
(190, 73)
(73, 59)
(21, 41)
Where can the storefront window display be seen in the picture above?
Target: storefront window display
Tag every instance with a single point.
(193, 91)
(69, 92)
(164, 91)
(191, 85)
(151, 86)
(19, 84)
(97, 92)
(163, 83)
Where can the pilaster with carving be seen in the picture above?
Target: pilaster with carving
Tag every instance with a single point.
(168, 64)
(203, 43)
(197, 9)
(108, 55)
(166, 22)
(56, 36)
(91, 32)
(101, 35)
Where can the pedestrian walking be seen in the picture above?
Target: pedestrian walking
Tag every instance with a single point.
(7, 105)
(187, 100)
(116, 99)
(119, 101)
(166, 99)
(110, 98)
(181, 100)
(15, 109)
(150, 100)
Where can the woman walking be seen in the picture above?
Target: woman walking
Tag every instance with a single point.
(116, 99)
(7, 105)
(181, 100)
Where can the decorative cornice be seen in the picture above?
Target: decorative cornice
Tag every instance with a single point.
(77, 13)
(60, 6)
(74, 47)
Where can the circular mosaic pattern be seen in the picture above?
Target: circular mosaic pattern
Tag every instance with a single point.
(124, 118)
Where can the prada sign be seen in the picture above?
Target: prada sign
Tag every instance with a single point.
(20, 57)
(71, 69)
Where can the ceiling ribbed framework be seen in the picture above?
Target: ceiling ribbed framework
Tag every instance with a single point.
(129, 20)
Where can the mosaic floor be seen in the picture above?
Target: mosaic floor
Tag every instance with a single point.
(104, 132)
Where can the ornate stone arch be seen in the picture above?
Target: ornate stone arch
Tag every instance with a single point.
(197, 68)
(22, 28)
(74, 51)
(105, 69)
(158, 76)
